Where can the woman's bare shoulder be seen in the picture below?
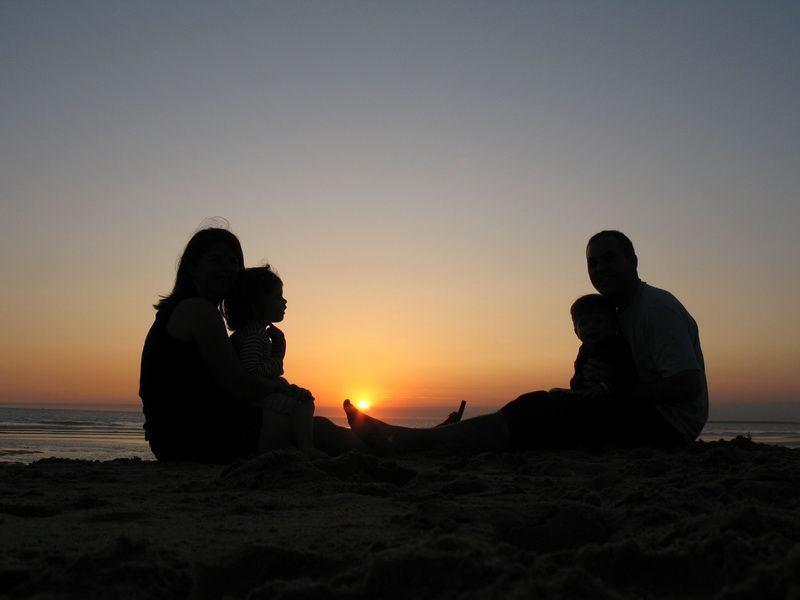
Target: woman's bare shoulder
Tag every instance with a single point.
(192, 315)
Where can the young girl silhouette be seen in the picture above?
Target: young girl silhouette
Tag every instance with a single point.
(251, 308)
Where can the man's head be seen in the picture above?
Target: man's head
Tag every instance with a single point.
(612, 265)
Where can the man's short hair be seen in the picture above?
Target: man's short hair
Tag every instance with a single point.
(590, 304)
(624, 242)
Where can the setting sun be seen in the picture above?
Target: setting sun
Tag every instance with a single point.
(364, 396)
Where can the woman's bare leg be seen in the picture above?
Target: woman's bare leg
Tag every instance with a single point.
(479, 434)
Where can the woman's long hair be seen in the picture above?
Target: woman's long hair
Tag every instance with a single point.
(201, 242)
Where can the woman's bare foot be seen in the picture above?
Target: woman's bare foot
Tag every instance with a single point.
(376, 434)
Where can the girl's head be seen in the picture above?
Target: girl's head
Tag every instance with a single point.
(594, 318)
(208, 267)
(256, 297)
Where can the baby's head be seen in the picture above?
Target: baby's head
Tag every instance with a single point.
(594, 318)
(256, 296)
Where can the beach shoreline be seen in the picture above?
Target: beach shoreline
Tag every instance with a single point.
(30, 434)
(716, 519)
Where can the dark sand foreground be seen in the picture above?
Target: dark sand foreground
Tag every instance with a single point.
(719, 520)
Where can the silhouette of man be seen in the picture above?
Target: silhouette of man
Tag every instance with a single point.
(668, 406)
(663, 339)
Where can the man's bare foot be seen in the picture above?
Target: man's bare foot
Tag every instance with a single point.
(455, 416)
(376, 434)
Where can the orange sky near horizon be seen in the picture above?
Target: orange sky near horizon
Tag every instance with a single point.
(373, 351)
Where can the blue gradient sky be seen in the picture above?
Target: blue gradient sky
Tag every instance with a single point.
(423, 175)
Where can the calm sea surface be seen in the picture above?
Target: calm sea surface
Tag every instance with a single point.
(28, 434)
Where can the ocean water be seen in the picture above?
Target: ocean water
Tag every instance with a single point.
(779, 433)
(30, 434)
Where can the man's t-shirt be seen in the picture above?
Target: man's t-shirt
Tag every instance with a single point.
(664, 340)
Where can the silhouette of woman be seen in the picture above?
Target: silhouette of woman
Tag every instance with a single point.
(199, 402)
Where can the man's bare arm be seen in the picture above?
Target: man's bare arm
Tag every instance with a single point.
(679, 388)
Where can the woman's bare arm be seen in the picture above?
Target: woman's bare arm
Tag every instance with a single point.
(199, 321)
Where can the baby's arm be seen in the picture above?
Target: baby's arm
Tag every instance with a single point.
(585, 382)
(578, 382)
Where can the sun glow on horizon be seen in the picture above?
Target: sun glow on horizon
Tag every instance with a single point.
(364, 396)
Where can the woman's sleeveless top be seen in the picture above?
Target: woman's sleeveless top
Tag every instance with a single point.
(187, 413)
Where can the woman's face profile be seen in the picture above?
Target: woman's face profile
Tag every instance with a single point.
(215, 271)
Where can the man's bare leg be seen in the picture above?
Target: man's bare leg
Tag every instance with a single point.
(332, 439)
(479, 434)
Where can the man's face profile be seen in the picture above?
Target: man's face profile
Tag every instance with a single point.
(612, 273)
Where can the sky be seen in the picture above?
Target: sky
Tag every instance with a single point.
(423, 175)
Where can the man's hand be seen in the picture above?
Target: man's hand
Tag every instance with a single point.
(595, 372)
(680, 388)
(278, 341)
(591, 393)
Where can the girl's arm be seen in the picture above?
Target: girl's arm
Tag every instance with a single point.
(199, 321)
(255, 353)
(278, 342)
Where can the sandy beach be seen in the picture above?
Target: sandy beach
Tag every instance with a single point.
(715, 520)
